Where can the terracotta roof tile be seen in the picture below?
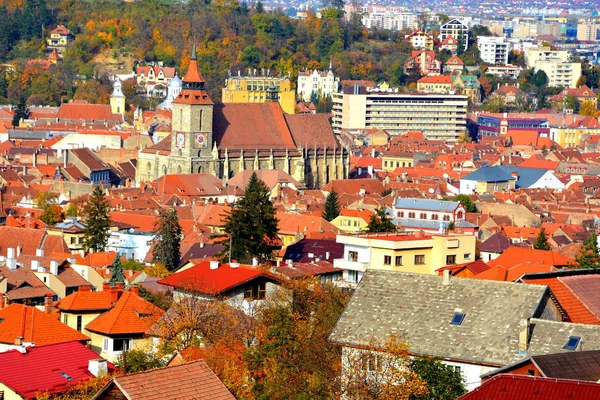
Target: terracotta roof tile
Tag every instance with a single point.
(34, 326)
(86, 300)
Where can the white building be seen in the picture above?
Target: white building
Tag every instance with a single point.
(173, 90)
(556, 65)
(588, 31)
(493, 50)
(322, 83)
(457, 30)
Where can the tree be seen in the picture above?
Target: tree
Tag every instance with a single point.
(167, 240)
(466, 202)
(96, 221)
(443, 381)
(72, 211)
(541, 243)
(93, 91)
(381, 375)
(540, 78)
(381, 222)
(52, 215)
(588, 257)
(21, 112)
(117, 275)
(251, 225)
(332, 207)
(137, 360)
(588, 107)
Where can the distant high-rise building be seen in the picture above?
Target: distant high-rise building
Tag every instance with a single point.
(493, 50)
(556, 65)
(588, 31)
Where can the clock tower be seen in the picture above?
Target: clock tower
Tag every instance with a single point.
(192, 119)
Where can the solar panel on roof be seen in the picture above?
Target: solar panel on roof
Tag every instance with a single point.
(572, 343)
(457, 318)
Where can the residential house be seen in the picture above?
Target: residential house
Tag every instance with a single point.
(467, 85)
(430, 216)
(242, 286)
(394, 157)
(21, 284)
(580, 94)
(192, 380)
(27, 241)
(528, 387)
(60, 38)
(72, 231)
(454, 66)
(510, 94)
(55, 273)
(412, 252)
(293, 227)
(323, 270)
(353, 221)
(423, 62)
(50, 369)
(494, 49)
(421, 40)
(190, 187)
(275, 180)
(458, 30)
(493, 246)
(309, 250)
(435, 84)
(92, 167)
(506, 177)
(449, 43)
(24, 326)
(456, 320)
(124, 326)
(504, 71)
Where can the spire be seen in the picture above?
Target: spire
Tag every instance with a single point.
(193, 78)
(331, 64)
(194, 52)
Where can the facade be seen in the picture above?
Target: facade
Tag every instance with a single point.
(506, 71)
(151, 75)
(437, 116)
(493, 50)
(60, 38)
(421, 40)
(320, 83)
(454, 65)
(556, 65)
(173, 89)
(409, 252)
(396, 158)
(117, 98)
(588, 31)
(457, 30)
(424, 63)
(226, 139)
(260, 89)
(435, 84)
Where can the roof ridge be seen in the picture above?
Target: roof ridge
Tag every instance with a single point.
(160, 368)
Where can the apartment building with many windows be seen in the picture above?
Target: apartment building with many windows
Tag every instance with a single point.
(556, 65)
(493, 50)
(438, 116)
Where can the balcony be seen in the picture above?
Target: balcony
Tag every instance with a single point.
(342, 263)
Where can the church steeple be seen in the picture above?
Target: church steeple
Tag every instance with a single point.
(193, 79)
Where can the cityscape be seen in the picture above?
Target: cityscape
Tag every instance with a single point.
(309, 200)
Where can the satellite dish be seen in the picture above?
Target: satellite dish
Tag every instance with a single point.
(131, 230)
(431, 190)
(445, 175)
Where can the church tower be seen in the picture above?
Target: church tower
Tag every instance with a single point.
(192, 120)
(117, 98)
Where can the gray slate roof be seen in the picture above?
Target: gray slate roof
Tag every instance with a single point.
(489, 174)
(527, 176)
(549, 337)
(426, 204)
(429, 224)
(418, 308)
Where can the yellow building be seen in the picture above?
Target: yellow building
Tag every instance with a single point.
(353, 221)
(260, 89)
(72, 232)
(407, 252)
(395, 158)
(60, 38)
(570, 136)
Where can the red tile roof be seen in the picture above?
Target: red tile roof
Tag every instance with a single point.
(30, 240)
(310, 130)
(443, 79)
(34, 326)
(61, 30)
(354, 186)
(130, 315)
(40, 369)
(522, 387)
(200, 278)
(292, 223)
(517, 255)
(86, 300)
(84, 111)
(190, 381)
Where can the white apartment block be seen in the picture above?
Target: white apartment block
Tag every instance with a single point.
(493, 50)
(555, 63)
(322, 83)
(588, 31)
(457, 30)
(389, 20)
(438, 116)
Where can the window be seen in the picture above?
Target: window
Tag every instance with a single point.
(530, 372)
(420, 259)
(446, 218)
(79, 322)
(467, 256)
(398, 260)
(353, 256)
(411, 215)
(458, 318)
(120, 345)
(255, 291)
(423, 216)
(353, 276)
(450, 259)
(435, 217)
(457, 368)
(572, 343)
(401, 214)
(106, 344)
(387, 260)
(65, 319)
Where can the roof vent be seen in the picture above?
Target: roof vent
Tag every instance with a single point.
(234, 265)
(214, 264)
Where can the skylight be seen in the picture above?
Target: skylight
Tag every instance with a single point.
(457, 318)
(66, 376)
(572, 343)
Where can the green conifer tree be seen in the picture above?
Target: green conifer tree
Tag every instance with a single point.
(541, 243)
(168, 238)
(588, 257)
(97, 222)
(332, 207)
(381, 222)
(117, 275)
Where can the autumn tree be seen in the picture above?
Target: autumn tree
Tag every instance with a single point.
(541, 243)
(381, 222)
(251, 225)
(52, 212)
(443, 381)
(96, 221)
(381, 371)
(588, 257)
(588, 107)
(137, 360)
(93, 92)
(167, 239)
(332, 206)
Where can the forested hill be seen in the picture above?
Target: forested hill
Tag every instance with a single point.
(230, 35)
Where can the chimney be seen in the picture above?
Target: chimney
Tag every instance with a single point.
(65, 158)
(523, 336)
(84, 288)
(39, 252)
(446, 277)
(106, 286)
(234, 264)
(54, 267)
(48, 303)
(289, 262)
(19, 340)
(98, 367)
(114, 294)
(515, 174)
(35, 264)
(10, 252)
(254, 262)
(35, 159)
(135, 290)
(327, 255)
(202, 244)
(119, 286)
(2, 301)
(19, 249)
(214, 264)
